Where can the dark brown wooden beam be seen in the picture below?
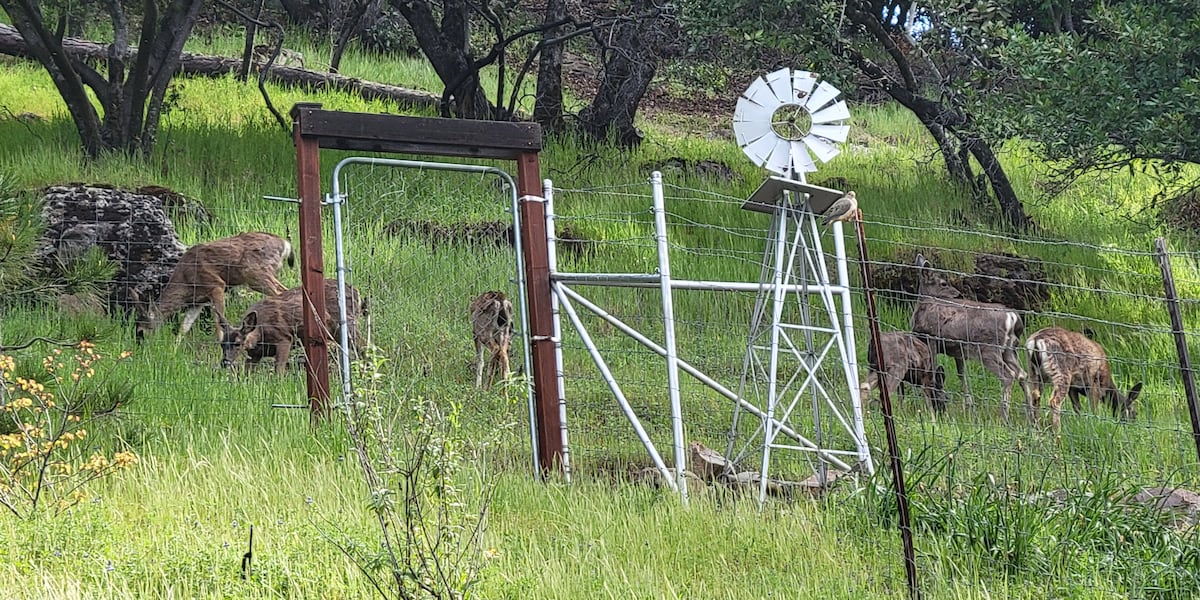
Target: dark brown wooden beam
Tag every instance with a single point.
(312, 265)
(541, 315)
(418, 135)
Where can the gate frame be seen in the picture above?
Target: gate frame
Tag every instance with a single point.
(314, 128)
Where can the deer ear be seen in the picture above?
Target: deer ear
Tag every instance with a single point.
(921, 262)
(250, 321)
(1133, 393)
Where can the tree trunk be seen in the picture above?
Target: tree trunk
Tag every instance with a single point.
(1006, 196)
(937, 116)
(630, 61)
(29, 26)
(349, 23)
(548, 103)
(12, 44)
(131, 102)
(449, 51)
(248, 47)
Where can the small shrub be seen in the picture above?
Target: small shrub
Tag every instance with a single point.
(47, 457)
(427, 491)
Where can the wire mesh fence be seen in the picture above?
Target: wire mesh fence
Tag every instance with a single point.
(1004, 488)
(1001, 487)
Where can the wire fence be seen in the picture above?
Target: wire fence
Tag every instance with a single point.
(963, 461)
(418, 264)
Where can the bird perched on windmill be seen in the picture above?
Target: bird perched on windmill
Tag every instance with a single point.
(843, 209)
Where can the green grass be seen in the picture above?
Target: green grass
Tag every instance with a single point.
(216, 458)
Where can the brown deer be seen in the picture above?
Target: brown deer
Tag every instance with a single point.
(907, 360)
(206, 270)
(1074, 365)
(966, 329)
(492, 328)
(273, 324)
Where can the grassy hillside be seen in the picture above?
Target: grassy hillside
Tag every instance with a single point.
(215, 457)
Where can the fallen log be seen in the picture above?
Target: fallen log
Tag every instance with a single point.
(12, 44)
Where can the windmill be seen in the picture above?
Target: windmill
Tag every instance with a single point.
(800, 351)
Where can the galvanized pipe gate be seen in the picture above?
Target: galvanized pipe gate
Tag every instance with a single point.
(314, 128)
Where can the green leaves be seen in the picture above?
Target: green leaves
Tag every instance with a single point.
(1125, 89)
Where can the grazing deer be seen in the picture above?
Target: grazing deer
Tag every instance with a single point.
(966, 329)
(273, 324)
(206, 270)
(492, 328)
(1074, 365)
(908, 360)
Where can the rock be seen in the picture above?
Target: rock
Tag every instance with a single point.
(1007, 279)
(131, 229)
(705, 169)
(1016, 282)
(752, 480)
(652, 477)
(1183, 506)
(177, 205)
(80, 304)
(708, 464)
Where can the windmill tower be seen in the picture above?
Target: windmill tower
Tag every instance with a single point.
(800, 368)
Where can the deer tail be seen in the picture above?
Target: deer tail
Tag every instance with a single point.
(291, 256)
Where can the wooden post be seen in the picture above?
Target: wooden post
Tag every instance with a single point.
(889, 420)
(312, 263)
(541, 316)
(1185, 358)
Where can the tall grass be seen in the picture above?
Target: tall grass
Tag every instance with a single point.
(218, 458)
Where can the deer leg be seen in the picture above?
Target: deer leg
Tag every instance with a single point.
(265, 283)
(1094, 392)
(961, 367)
(1035, 399)
(864, 388)
(1073, 394)
(189, 319)
(1056, 399)
(1009, 356)
(282, 351)
(1005, 395)
(493, 367)
(478, 365)
(504, 365)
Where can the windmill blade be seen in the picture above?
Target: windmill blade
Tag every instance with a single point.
(823, 95)
(781, 157)
(748, 131)
(780, 83)
(823, 149)
(802, 84)
(801, 161)
(749, 111)
(833, 112)
(833, 133)
(761, 93)
(760, 150)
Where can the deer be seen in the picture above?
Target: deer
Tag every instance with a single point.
(962, 329)
(272, 325)
(492, 328)
(907, 359)
(1075, 365)
(206, 271)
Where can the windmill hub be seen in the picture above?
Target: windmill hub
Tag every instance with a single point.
(791, 122)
